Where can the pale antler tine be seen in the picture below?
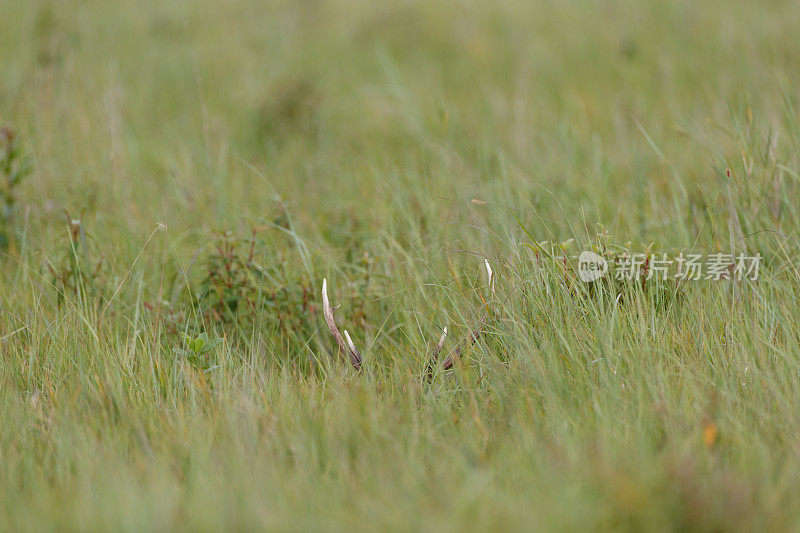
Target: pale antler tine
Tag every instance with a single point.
(327, 311)
(473, 337)
(349, 348)
(491, 276)
(441, 341)
(355, 355)
(435, 355)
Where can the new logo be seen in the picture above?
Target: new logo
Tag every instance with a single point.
(591, 266)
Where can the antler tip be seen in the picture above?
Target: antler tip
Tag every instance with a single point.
(350, 341)
(491, 275)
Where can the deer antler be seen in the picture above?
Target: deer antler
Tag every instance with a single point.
(345, 347)
(471, 339)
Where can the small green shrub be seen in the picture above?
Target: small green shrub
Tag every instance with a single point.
(231, 290)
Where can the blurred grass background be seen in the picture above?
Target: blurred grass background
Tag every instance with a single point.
(356, 135)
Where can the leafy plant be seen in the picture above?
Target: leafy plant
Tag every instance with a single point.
(13, 169)
(200, 352)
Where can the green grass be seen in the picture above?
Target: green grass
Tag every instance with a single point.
(352, 137)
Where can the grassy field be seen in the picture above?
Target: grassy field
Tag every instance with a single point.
(179, 176)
